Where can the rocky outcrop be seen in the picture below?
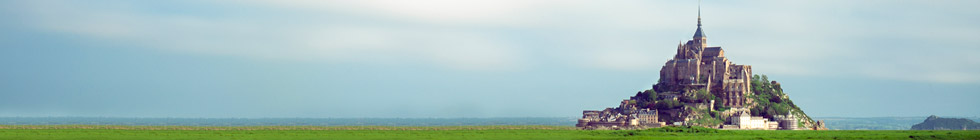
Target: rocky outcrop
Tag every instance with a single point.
(936, 123)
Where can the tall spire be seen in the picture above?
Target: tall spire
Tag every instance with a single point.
(699, 34)
(699, 13)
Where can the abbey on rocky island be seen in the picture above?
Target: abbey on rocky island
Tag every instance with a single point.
(700, 86)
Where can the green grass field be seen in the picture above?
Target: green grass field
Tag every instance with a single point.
(445, 132)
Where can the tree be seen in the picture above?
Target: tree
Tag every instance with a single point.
(780, 109)
(720, 105)
(775, 99)
(703, 96)
(668, 104)
(650, 94)
(756, 111)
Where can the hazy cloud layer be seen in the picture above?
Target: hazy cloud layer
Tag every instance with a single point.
(910, 41)
(931, 39)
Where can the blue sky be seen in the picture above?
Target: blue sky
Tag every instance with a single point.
(450, 58)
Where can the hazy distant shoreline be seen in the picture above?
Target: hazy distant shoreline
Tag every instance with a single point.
(834, 123)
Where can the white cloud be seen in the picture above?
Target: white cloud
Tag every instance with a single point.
(624, 60)
(808, 38)
(910, 40)
(456, 34)
(426, 11)
(318, 40)
(494, 13)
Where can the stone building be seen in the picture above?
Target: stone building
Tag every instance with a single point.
(697, 66)
(744, 120)
(619, 118)
(787, 122)
(648, 118)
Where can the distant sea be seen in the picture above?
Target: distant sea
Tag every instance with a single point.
(833, 123)
(284, 121)
(877, 123)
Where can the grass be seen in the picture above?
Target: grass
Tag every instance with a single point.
(445, 132)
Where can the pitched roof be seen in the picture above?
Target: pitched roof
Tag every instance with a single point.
(713, 51)
(699, 33)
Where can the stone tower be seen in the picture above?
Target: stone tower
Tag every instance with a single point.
(697, 66)
(699, 37)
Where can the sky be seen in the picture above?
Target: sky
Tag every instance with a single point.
(469, 58)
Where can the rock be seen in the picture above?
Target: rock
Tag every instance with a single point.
(936, 123)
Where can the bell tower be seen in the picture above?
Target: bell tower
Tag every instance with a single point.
(699, 37)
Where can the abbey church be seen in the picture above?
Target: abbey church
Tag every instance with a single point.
(697, 66)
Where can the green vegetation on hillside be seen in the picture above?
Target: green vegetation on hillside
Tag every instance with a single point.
(767, 99)
(770, 99)
(452, 132)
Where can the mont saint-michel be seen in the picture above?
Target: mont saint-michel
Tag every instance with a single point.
(701, 87)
